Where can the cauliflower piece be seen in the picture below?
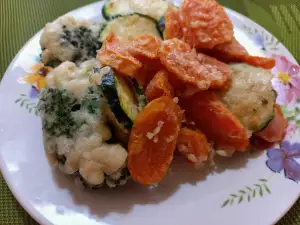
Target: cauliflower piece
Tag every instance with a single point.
(75, 79)
(68, 39)
(107, 159)
(75, 129)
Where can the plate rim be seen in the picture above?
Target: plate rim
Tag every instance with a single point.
(35, 214)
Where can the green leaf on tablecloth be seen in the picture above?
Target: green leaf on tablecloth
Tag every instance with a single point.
(261, 16)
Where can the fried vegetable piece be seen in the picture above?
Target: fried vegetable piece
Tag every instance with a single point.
(235, 52)
(193, 146)
(275, 131)
(145, 46)
(219, 71)
(113, 54)
(229, 52)
(205, 23)
(172, 24)
(153, 140)
(260, 144)
(214, 119)
(189, 68)
(266, 63)
(159, 86)
(147, 72)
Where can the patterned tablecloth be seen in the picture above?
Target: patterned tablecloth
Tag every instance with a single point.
(21, 19)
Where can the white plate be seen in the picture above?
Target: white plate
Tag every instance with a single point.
(184, 197)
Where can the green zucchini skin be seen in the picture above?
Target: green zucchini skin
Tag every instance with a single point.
(141, 98)
(104, 12)
(251, 96)
(154, 8)
(108, 87)
(161, 25)
(134, 24)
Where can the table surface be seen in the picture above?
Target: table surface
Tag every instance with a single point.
(21, 19)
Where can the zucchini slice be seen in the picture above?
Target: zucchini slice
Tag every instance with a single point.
(251, 97)
(128, 27)
(140, 96)
(119, 130)
(110, 92)
(124, 97)
(154, 8)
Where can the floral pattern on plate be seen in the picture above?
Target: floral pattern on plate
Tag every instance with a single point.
(283, 158)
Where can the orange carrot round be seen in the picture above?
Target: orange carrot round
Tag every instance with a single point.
(144, 45)
(113, 54)
(172, 24)
(205, 23)
(153, 140)
(159, 86)
(275, 130)
(215, 120)
(193, 146)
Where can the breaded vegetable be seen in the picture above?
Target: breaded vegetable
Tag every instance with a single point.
(172, 24)
(205, 23)
(220, 72)
(235, 52)
(153, 140)
(193, 146)
(159, 86)
(266, 63)
(191, 69)
(212, 117)
(275, 130)
(229, 52)
(145, 45)
(115, 55)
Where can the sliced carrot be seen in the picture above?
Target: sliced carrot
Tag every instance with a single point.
(144, 45)
(159, 86)
(266, 63)
(219, 72)
(214, 119)
(153, 140)
(275, 131)
(229, 52)
(193, 146)
(260, 144)
(113, 54)
(235, 52)
(189, 68)
(147, 72)
(172, 24)
(205, 23)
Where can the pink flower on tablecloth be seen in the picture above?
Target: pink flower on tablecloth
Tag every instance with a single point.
(286, 81)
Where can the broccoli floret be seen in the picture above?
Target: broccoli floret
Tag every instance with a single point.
(57, 108)
(56, 105)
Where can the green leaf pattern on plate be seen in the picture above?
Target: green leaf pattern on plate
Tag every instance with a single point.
(248, 193)
(27, 104)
